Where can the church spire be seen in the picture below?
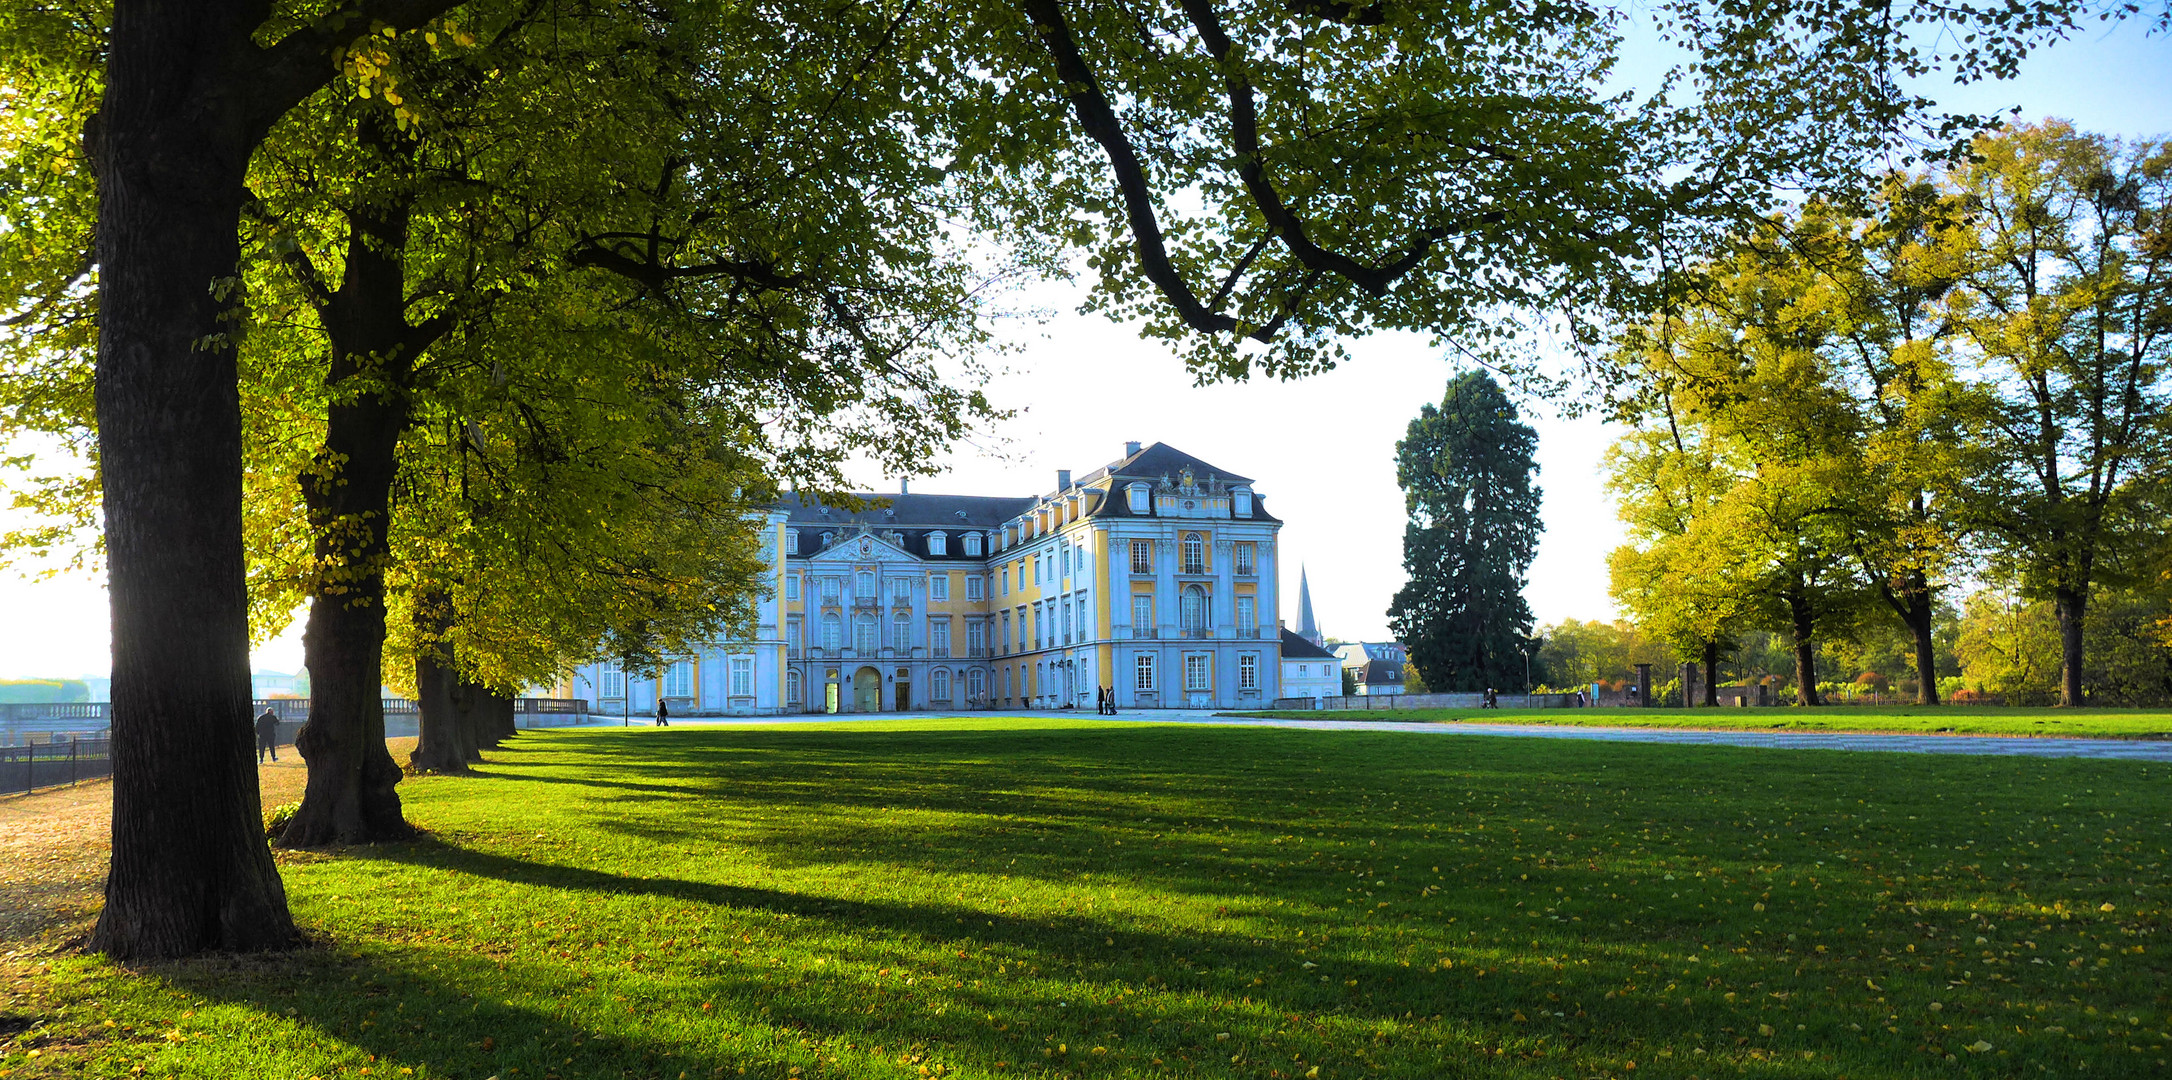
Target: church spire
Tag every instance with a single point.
(1306, 627)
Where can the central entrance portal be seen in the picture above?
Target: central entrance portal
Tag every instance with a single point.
(867, 690)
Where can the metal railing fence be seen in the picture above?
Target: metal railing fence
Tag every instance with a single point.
(53, 764)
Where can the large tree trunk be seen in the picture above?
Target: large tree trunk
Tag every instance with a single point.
(1918, 617)
(447, 742)
(1711, 674)
(351, 797)
(190, 869)
(2072, 606)
(1802, 622)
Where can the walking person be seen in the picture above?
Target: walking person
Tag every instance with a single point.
(663, 714)
(267, 735)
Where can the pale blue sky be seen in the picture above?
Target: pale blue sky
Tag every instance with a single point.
(1321, 450)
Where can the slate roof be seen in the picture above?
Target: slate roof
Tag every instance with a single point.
(1297, 648)
(1160, 459)
(912, 515)
(1153, 463)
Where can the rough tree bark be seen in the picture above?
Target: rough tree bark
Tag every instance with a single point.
(2072, 607)
(190, 869)
(351, 796)
(447, 743)
(1711, 674)
(189, 95)
(1802, 624)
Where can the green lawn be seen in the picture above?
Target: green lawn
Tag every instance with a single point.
(995, 897)
(1961, 719)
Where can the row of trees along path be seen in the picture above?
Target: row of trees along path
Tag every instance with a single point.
(221, 143)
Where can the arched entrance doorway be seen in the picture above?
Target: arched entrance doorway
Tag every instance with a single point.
(867, 690)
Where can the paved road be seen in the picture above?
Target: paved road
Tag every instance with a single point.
(2124, 749)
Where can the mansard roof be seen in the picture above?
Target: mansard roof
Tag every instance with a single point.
(1158, 460)
(903, 510)
(912, 517)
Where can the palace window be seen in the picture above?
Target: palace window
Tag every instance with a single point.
(1244, 558)
(975, 588)
(1248, 671)
(976, 684)
(791, 541)
(1004, 639)
(976, 637)
(939, 638)
(679, 679)
(1003, 580)
(938, 587)
(865, 636)
(1067, 622)
(901, 591)
(792, 630)
(1192, 609)
(792, 694)
(742, 678)
(1135, 495)
(1142, 672)
(1023, 627)
(1142, 556)
(938, 544)
(1195, 672)
(1067, 560)
(1195, 554)
(791, 586)
(901, 632)
(833, 633)
(1244, 614)
(972, 543)
(1006, 682)
(831, 588)
(612, 679)
(1142, 615)
(939, 684)
(863, 585)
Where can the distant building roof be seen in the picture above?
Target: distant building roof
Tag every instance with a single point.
(1295, 647)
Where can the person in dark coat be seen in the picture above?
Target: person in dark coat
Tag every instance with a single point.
(267, 735)
(663, 715)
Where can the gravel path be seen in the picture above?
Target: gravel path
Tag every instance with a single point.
(54, 845)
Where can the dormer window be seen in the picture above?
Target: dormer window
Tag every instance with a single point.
(1136, 492)
(937, 545)
(826, 537)
(791, 541)
(972, 543)
(1241, 498)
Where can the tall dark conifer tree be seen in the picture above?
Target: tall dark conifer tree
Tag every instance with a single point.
(1467, 474)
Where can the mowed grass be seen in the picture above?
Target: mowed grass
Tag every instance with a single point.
(1910, 719)
(1063, 898)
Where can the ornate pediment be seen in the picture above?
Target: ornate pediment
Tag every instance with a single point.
(860, 545)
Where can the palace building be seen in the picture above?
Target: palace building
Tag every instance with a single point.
(1154, 575)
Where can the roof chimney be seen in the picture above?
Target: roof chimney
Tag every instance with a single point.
(1063, 479)
(1131, 449)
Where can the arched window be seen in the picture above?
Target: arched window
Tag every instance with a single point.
(1195, 554)
(901, 631)
(864, 636)
(1193, 609)
(791, 688)
(833, 632)
(939, 684)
